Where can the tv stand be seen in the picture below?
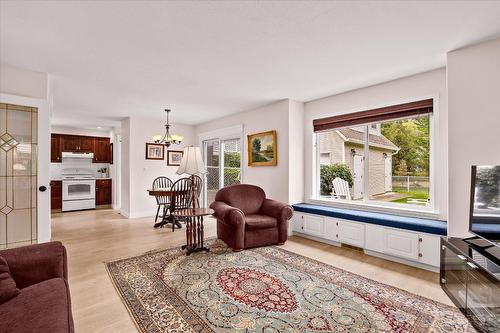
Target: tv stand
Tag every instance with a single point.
(470, 276)
(478, 241)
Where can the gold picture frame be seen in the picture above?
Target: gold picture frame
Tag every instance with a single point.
(262, 149)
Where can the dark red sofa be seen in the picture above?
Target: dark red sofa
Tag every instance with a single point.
(43, 303)
(246, 218)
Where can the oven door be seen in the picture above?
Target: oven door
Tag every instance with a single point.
(78, 189)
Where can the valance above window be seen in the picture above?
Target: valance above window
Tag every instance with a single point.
(374, 115)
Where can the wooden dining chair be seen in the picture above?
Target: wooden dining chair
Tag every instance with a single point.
(180, 197)
(162, 201)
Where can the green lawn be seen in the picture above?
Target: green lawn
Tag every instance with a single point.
(415, 193)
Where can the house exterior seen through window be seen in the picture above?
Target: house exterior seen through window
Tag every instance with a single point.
(385, 163)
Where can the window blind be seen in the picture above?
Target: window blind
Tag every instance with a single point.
(374, 115)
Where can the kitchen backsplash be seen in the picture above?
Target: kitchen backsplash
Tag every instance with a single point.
(56, 168)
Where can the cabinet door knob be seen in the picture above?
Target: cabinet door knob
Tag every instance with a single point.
(420, 255)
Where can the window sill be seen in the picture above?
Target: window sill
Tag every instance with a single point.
(401, 211)
(420, 224)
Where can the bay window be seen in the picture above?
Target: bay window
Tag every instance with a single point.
(377, 157)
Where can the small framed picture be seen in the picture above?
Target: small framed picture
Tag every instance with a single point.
(154, 151)
(174, 157)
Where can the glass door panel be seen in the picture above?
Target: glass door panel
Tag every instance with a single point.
(18, 175)
(223, 161)
(232, 162)
(212, 153)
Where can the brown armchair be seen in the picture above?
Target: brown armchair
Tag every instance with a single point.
(43, 302)
(245, 218)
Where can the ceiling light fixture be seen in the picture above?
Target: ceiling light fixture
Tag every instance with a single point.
(168, 139)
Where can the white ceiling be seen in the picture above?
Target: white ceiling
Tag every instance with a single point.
(209, 59)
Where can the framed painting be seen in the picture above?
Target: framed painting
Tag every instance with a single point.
(262, 149)
(174, 157)
(154, 151)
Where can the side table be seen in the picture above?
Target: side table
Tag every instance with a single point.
(194, 228)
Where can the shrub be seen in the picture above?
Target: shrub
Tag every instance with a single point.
(329, 172)
(231, 176)
(232, 159)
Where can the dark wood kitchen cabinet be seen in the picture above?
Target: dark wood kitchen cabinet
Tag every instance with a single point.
(55, 148)
(86, 144)
(103, 192)
(102, 150)
(100, 146)
(70, 143)
(77, 143)
(56, 195)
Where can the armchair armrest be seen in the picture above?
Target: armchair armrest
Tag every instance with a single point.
(36, 263)
(280, 211)
(228, 214)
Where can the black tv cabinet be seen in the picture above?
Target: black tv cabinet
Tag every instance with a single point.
(471, 278)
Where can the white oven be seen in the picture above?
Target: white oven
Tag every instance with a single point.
(78, 190)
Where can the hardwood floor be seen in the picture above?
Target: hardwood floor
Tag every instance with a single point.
(93, 237)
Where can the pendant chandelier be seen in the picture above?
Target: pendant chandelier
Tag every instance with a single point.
(168, 139)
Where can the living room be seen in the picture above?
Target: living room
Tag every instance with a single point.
(327, 168)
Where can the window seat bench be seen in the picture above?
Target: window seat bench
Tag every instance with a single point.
(409, 240)
(429, 226)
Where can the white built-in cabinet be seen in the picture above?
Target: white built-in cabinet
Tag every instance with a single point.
(411, 246)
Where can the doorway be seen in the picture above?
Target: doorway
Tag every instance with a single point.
(223, 160)
(358, 177)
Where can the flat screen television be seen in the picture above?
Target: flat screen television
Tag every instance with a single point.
(484, 218)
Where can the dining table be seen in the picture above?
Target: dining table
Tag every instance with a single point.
(164, 192)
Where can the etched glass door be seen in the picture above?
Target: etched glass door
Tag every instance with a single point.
(18, 175)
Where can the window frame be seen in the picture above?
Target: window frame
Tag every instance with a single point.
(429, 211)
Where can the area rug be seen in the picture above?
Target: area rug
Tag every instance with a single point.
(267, 290)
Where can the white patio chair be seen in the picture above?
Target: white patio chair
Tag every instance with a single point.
(341, 189)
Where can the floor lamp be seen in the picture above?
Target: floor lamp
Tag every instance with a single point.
(192, 164)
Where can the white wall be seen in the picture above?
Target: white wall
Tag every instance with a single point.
(22, 82)
(417, 87)
(28, 88)
(125, 168)
(474, 123)
(296, 152)
(273, 179)
(137, 172)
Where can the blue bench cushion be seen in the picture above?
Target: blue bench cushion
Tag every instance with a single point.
(436, 227)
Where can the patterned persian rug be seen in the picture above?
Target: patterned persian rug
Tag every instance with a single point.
(267, 290)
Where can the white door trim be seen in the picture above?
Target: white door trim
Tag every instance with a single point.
(43, 172)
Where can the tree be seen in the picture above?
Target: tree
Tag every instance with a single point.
(329, 172)
(256, 145)
(411, 136)
(487, 183)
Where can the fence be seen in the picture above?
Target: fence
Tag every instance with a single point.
(231, 176)
(410, 183)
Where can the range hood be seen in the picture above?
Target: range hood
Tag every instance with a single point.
(66, 154)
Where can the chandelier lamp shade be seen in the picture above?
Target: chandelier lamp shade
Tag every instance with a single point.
(168, 139)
